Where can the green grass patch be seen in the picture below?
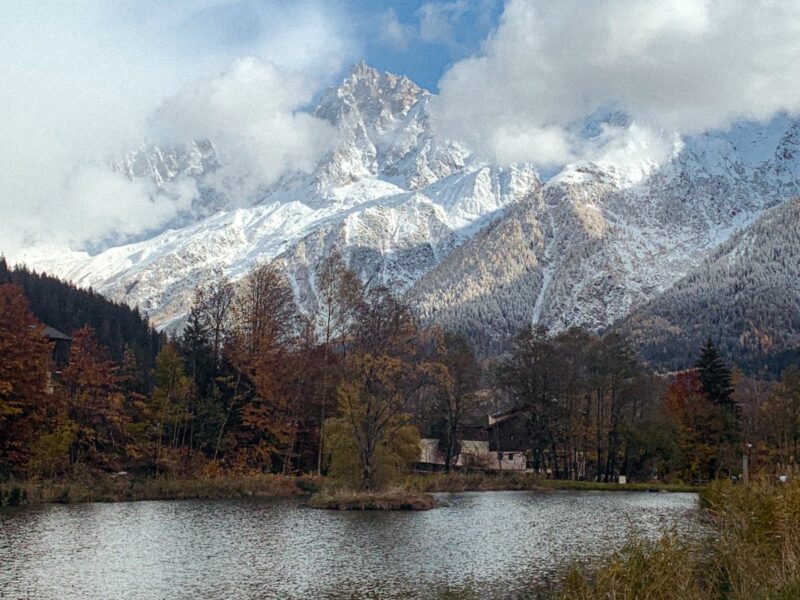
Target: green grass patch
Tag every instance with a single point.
(471, 482)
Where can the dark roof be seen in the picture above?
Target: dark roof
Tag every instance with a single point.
(51, 333)
(502, 417)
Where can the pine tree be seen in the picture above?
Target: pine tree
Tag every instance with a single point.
(716, 380)
(715, 376)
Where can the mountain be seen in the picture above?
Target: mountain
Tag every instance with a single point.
(394, 195)
(747, 292)
(594, 243)
(477, 247)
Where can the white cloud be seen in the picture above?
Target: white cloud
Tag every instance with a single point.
(437, 20)
(81, 81)
(251, 114)
(393, 32)
(672, 65)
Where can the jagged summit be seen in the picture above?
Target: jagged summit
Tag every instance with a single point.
(379, 97)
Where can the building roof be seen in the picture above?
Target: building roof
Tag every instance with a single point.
(51, 333)
(505, 415)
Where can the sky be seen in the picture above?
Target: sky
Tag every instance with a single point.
(516, 81)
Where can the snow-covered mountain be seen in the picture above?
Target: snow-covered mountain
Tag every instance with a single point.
(394, 195)
(478, 247)
(747, 292)
(595, 243)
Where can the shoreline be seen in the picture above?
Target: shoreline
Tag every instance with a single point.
(134, 489)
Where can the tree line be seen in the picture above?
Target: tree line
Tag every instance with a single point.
(253, 385)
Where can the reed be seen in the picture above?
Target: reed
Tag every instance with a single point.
(752, 553)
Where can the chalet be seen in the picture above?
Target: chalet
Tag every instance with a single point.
(508, 431)
(493, 447)
(475, 455)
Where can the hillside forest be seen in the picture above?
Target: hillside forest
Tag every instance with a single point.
(253, 386)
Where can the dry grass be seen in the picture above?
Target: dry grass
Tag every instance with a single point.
(471, 482)
(387, 500)
(563, 484)
(753, 554)
(125, 489)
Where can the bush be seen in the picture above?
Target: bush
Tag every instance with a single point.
(753, 553)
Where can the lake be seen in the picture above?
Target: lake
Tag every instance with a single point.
(489, 544)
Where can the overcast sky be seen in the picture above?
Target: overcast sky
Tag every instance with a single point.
(84, 80)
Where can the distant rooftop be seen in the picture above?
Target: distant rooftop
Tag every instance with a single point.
(52, 333)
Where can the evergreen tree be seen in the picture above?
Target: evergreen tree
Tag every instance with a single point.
(717, 384)
(715, 376)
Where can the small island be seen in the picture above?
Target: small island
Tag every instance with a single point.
(387, 500)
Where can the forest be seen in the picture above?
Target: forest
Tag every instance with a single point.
(253, 386)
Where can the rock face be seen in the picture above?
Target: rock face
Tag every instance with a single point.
(479, 248)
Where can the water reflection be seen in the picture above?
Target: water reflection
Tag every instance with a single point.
(494, 544)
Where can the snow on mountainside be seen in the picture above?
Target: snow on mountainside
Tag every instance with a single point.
(596, 243)
(393, 194)
(480, 248)
(747, 291)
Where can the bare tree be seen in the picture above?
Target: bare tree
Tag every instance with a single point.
(455, 395)
(214, 301)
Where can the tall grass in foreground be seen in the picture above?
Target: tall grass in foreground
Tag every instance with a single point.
(753, 554)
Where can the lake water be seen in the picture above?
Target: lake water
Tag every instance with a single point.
(489, 545)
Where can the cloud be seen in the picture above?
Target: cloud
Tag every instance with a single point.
(84, 79)
(393, 32)
(671, 65)
(437, 20)
(251, 112)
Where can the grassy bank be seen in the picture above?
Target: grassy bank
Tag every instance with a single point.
(470, 482)
(125, 489)
(558, 484)
(478, 482)
(385, 500)
(754, 553)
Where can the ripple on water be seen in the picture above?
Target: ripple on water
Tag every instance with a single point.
(496, 544)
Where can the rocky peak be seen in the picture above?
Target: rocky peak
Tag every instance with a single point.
(378, 98)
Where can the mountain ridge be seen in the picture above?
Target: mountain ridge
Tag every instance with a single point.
(480, 248)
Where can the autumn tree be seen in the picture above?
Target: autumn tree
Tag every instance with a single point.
(339, 297)
(455, 393)
(780, 415)
(169, 410)
(265, 326)
(95, 403)
(699, 422)
(388, 364)
(212, 311)
(528, 378)
(24, 379)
